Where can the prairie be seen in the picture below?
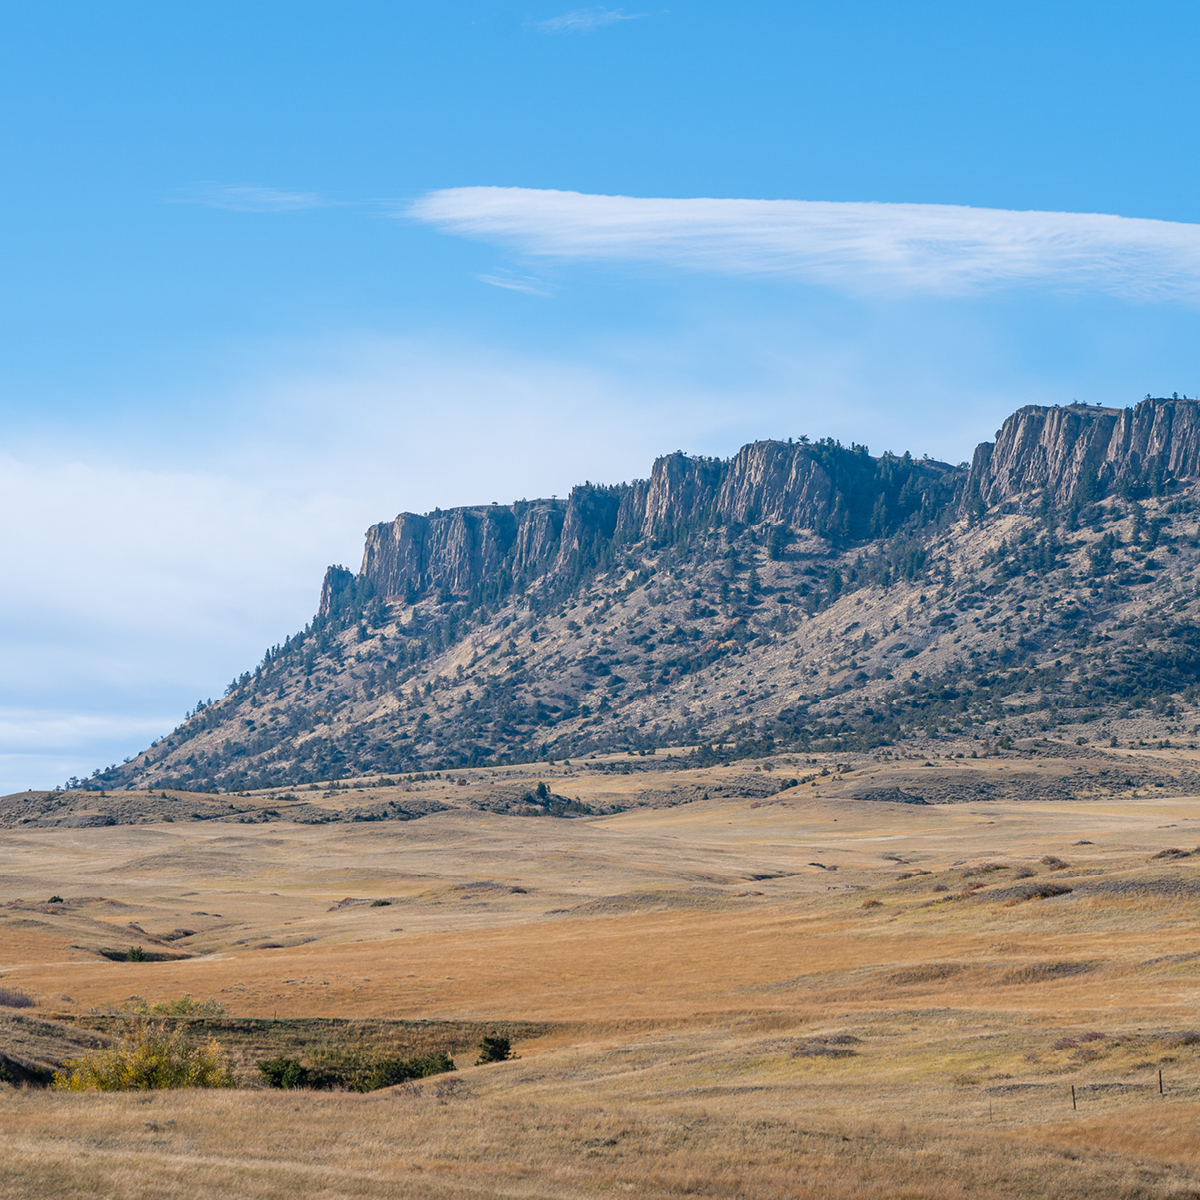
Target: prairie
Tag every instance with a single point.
(809, 994)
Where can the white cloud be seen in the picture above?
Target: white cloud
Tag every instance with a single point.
(584, 20)
(857, 247)
(249, 198)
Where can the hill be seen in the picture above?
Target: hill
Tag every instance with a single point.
(801, 597)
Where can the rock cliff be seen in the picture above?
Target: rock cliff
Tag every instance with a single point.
(836, 492)
(1083, 453)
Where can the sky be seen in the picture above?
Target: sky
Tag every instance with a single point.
(271, 273)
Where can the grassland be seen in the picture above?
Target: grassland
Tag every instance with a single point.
(802, 994)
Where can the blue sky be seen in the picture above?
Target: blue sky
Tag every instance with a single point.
(270, 273)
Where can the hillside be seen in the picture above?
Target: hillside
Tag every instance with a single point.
(800, 596)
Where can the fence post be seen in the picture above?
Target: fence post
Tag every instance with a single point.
(1073, 1108)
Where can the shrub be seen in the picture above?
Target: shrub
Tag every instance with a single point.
(1190, 1037)
(13, 998)
(1055, 864)
(147, 1057)
(357, 1075)
(390, 1071)
(184, 1006)
(380, 903)
(1035, 891)
(136, 954)
(56, 900)
(494, 1048)
(285, 1073)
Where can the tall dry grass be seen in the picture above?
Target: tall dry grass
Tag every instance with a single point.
(417, 1143)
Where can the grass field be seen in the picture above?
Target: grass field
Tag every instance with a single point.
(807, 995)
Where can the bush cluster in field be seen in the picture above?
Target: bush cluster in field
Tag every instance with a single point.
(354, 1074)
(368, 1075)
(147, 1057)
(165, 1055)
(183, 1006)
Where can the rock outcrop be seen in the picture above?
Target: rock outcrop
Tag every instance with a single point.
(1072, 454)
(1082, 453)
(825, 487)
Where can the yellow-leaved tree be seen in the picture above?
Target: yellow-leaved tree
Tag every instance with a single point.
(147, 1057)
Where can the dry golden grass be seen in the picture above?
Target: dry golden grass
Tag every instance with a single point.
(516, 1132)
(721, 1017)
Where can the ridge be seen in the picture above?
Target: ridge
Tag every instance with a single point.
(798, 595)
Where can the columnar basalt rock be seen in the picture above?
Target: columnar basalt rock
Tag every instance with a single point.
(680, 489)
(778, 483)
(1081, 452)
(1067, 454)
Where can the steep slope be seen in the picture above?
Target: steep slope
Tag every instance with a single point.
(797, 595)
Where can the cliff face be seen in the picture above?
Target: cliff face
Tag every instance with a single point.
(459, 549)
(1078, 453)
(1083, 453)
(825, 487)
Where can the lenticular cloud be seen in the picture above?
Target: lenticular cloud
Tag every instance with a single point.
(860, 247)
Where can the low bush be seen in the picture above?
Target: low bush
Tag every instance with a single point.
(390, 1071)
(285, 1073)
(1189, 1037)
(14, 998)
(147, 1057)
(1038, 892)
(184, 1006)
(356, 1075)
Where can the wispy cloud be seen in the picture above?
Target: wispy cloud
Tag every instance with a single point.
(584, 20)
(857, 247)
(516, 283)
(240, 197)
